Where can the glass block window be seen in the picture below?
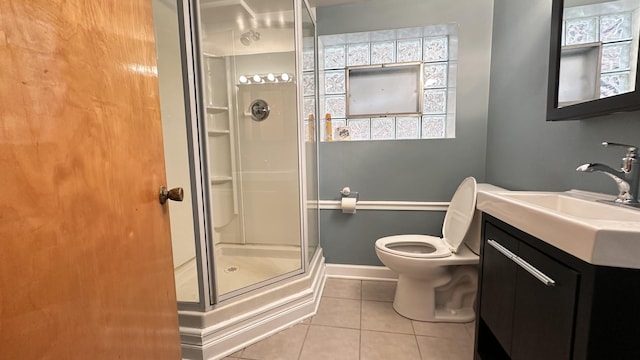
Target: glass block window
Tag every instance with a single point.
(336, 106)
(615, 56)
(383, 52)
(358, 54)
(409, 50)
(334, 57)
(614, 83)
(436, 49)
(614, 31)
(308, 60)
(334, 82)
(309, 89)
(308, 82)
(309, 106)
(407, 128)
(581, 31)
(435, 75)
(383, 128)
(429, 45)
(435, 101)
(615, 27)
(360, 129)
(433, 127)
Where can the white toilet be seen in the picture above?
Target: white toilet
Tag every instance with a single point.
(437, 278)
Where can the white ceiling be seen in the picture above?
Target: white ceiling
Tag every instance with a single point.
(270, 6)
(319, 3)
(224, 21)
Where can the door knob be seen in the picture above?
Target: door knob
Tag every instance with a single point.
(175, 194)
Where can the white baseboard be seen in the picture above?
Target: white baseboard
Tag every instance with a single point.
(361, 272)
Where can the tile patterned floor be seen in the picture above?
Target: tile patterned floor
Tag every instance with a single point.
(356, 321)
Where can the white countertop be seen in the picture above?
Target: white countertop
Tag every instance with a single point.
(574, 221)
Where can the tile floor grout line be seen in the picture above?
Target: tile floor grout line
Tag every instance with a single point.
(464, 339)
(335, 326)
(360, 330)
(304, 340)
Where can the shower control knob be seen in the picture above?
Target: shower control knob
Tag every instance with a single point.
(175, 194)
(259, 110)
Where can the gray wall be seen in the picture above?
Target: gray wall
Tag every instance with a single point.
(525, 152)
(428, 170)
(352, 237)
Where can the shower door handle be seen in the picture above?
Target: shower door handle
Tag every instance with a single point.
(175, 194)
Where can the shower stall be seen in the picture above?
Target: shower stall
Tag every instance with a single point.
(238, 140)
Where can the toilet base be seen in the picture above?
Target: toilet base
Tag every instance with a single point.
(430, 299)
(415, 298)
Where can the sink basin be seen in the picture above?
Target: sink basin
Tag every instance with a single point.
(586, 225)
(596, 209)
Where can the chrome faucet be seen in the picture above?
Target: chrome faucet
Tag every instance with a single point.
(627, 178)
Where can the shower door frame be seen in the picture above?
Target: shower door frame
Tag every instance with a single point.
(192, 108)
(193, 71)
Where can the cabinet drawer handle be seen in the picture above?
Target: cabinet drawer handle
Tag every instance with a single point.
(523, 264)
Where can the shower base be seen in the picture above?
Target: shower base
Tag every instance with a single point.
(239, 266)
(240, 321)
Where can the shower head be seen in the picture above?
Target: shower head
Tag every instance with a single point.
(249, 36)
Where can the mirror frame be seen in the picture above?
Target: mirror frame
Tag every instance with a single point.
(618, 103)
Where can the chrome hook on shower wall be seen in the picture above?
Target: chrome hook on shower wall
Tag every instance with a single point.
(259, 110)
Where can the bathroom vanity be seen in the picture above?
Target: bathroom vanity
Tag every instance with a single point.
(544, 291)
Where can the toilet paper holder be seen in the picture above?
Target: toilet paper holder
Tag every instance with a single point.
(346, 192)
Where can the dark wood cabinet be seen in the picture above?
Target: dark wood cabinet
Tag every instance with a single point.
(537, 302)
(499, 275)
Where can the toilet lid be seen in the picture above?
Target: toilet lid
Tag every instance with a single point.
(459, 215)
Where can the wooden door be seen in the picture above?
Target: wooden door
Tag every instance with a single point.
(85, 254)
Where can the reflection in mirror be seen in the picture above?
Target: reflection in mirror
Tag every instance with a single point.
(599, 49)
(593, 58)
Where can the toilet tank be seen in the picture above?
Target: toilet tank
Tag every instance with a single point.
(472, 239)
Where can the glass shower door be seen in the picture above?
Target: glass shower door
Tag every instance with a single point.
(251, 142)
(178, 148)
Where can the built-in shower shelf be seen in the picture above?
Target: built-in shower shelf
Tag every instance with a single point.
(218, 132)
(216, 109)
(215, 180)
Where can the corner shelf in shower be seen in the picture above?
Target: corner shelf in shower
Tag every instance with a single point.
(220, 132)
(216, 109)
(215, 180)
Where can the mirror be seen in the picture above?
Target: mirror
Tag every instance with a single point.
(593, 58)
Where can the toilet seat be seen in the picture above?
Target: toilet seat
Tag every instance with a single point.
(414, 246)
(456, 224)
